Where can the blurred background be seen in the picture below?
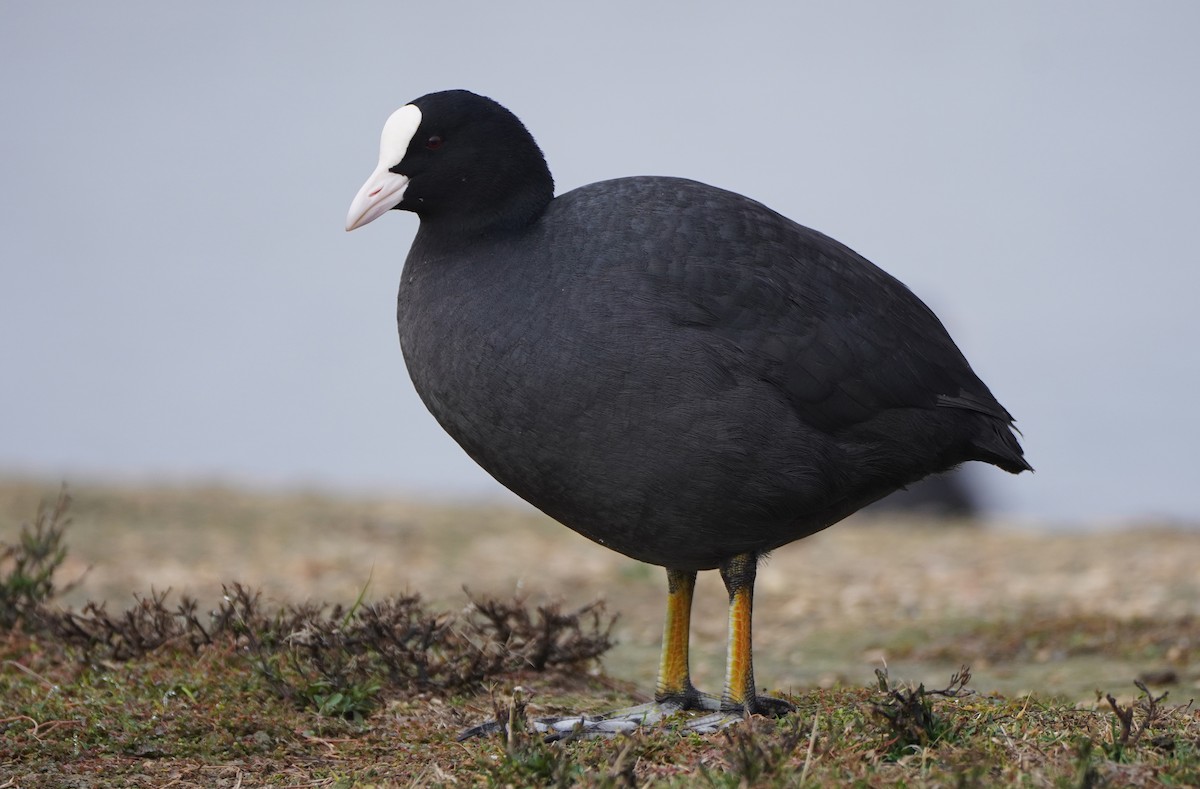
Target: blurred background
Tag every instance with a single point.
(180, 300)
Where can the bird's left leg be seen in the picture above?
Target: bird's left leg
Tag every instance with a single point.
(740, 696)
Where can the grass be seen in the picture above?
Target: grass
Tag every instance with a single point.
(249, 692)
(29, 565)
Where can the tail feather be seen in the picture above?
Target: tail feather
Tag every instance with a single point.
(993, 440)
(997, 445)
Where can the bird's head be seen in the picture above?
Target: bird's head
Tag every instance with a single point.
(458, 160)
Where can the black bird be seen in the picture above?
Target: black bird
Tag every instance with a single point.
(674, 371)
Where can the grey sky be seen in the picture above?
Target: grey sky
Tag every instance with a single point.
(180, 300)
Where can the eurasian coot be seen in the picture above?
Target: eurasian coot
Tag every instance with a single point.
(672, 370)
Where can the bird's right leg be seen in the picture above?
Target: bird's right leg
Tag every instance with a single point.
(674, 677)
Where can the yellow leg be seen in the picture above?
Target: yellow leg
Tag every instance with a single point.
(738, 574)
(674, 680)
(740, 696)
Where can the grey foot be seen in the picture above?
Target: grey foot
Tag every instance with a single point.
(726, 714)
(614, 723)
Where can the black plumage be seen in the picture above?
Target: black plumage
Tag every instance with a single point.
(673, 370)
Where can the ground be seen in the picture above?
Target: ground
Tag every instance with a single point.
(1047, 620)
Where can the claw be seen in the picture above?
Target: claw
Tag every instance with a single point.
(586, 726)
(713, 723)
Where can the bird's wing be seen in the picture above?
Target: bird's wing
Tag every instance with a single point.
(841, 338)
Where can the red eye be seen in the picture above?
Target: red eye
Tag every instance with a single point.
(434, 142)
